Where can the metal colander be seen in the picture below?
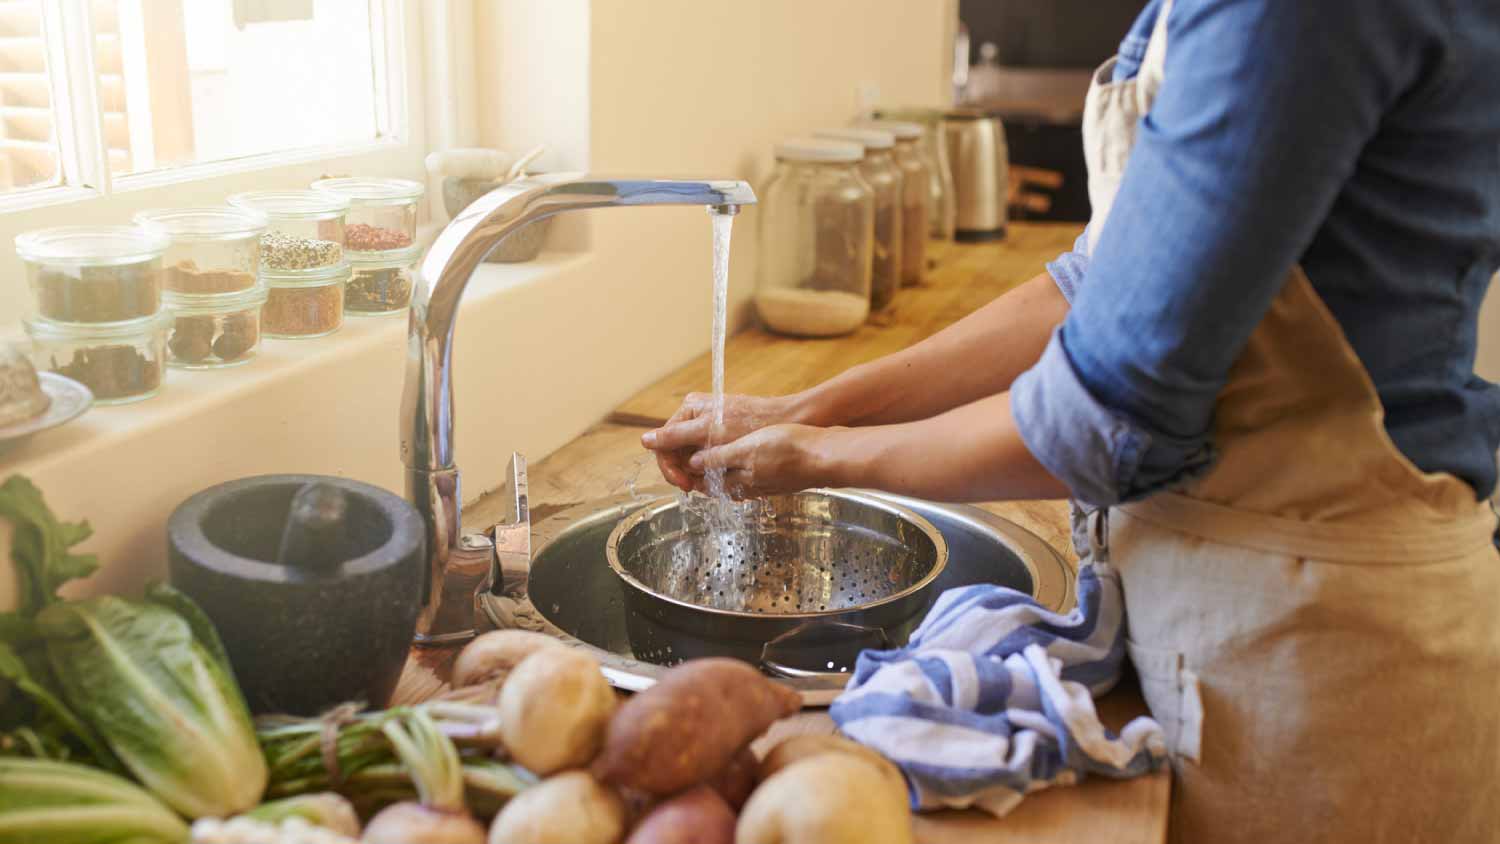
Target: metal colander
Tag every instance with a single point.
(814, 553)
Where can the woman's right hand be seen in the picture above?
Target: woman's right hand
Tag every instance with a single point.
(690, 428)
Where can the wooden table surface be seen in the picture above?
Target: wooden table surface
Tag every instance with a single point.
(608, 460)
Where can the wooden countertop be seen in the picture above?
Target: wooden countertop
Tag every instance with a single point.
(608, 460)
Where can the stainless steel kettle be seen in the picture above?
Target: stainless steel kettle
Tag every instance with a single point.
(975, 138)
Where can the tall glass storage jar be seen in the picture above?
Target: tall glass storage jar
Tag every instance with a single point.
(817, 233)
(942, 216)
(915, 198)
(879, 170)
(304, 228)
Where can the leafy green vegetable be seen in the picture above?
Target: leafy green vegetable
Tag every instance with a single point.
(42, 802)
(40, 546)
(164, 700)
(48, 710)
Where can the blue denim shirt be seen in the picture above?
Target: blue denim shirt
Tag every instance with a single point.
(1364, 145)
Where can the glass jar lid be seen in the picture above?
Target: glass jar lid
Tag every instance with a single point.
(91, 245)
(902, 130)
(292, 204)
(215, 303)
(867, 138)
(819, 150)
(313, 277)
(388, 259)
(208, 222)
(372, 191)
(129, 329)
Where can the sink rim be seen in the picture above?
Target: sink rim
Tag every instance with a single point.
(1051, 574)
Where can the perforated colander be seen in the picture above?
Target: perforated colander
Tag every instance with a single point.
(813, 554)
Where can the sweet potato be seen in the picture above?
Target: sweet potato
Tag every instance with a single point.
(569, 808)
(492, 656)
(829, 798)
(797, 748)
(737, 779)
(687, 727)
(696, 816)
(554, 710)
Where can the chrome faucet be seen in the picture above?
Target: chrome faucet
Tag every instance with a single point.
(460, 568)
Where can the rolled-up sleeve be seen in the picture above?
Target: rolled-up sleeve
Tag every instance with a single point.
(1264, 111)
(1067, 270)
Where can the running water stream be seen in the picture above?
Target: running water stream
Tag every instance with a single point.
(714, 476)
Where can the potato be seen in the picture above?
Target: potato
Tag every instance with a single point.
(737, 779)
(797, 748)
(554, 710)
(494, 655)
(696, 816)
(570, 808)
(688, 726)
(829, 798)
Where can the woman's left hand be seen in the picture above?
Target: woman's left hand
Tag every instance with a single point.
(773, 460)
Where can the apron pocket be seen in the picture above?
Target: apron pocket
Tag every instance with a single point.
(1171, 692)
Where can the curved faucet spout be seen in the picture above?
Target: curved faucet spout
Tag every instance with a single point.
(427, 398)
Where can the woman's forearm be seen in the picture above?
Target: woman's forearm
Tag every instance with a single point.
(970, 453)
(975, 357)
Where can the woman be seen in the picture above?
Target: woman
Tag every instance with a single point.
(1258, 363)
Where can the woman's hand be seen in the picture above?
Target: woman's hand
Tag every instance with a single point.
(691, 427)
(772, 460)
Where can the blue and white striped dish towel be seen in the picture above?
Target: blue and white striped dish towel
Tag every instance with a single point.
(992, 698)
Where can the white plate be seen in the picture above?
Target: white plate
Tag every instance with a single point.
(69, 400)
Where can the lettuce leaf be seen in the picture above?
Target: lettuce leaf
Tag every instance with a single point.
(39, 548)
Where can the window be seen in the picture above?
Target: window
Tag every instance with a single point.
(106, 95)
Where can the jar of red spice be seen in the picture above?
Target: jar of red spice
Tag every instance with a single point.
(382, 212)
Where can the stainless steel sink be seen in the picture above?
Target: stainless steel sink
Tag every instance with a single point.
(570, 591)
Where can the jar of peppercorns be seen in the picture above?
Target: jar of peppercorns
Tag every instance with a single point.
(382, 214)
(305, 229)
(214, 330)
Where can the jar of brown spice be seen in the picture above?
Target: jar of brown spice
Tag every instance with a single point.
(93, 274)
(305, 304)
(381, 287)
(119, 362)
(216, 330)
(213, 249)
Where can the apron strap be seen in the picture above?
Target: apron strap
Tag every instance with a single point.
(1411, 543)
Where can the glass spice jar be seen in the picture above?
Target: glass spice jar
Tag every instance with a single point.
(817, 232)
(879, 170)
(119, 362)
(382, 212)
(381, 287)
(306, 304)
(304, 228)
(215, 330)
(915, 198)
(93, 274)
(212, 250)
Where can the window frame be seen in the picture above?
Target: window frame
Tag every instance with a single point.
(83, 155)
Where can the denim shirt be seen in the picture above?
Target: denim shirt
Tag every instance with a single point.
(1364, 146)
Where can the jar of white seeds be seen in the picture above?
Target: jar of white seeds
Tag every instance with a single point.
(304, 229)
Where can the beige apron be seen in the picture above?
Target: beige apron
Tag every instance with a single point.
(1316, 622)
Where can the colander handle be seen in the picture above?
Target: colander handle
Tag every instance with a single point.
(844, 635)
